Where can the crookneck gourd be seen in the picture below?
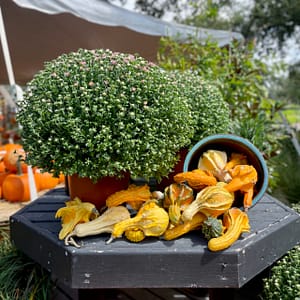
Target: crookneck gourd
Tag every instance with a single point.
(236, 159)
(211, 201)
(73, 213)
(176, 231)
(197, 179)
(244, 178)
(236, 222)
(151, 220)
(102, 224)
(135, 196)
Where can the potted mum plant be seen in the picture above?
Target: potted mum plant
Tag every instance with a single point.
(209, 110)
(96, 114)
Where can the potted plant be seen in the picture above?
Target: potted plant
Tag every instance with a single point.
(98, 114)
(209, 110)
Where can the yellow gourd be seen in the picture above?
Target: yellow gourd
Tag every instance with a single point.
(177, 196)
(197, 179)
(236, 222)
(135, 235)
(102, 224)
(181, 229)
(214, 161)
(134, 195)
(152, 219)
(75, 212)
(211, 201)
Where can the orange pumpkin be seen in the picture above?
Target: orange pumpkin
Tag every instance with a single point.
(11, 158)
(3, 175)
(61, 178)
(2, 166)
(11, 146)
(15, 188)
(45, 180)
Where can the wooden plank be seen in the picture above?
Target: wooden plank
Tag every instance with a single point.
(143, 294)
(182, 264)
(7, 209)
(154, 263)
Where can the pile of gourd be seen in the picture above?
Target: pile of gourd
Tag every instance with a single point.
(14, 179)
(203, 199)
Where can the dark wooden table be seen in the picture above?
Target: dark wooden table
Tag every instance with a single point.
(153, 263)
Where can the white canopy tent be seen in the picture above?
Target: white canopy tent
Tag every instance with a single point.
(38, 31)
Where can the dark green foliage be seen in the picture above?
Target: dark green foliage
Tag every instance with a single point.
(20, 277)
(210, 112)
(234, 71)
(284, 282)
(275, 19)
(287, 166)
(240, 79)
(97, 113)
(287, 88)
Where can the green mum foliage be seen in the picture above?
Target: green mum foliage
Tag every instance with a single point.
(97, 113)
(210, 111)
(284, 281)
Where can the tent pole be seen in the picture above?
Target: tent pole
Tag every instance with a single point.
(5, 50)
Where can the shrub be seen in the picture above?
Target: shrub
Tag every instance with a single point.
(284, 280)
(210, 112)
(240, 79)
(97, 113)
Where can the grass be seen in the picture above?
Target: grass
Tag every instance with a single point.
(292, 113)
(20, 277)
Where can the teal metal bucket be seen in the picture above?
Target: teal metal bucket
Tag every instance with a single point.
(231, 143)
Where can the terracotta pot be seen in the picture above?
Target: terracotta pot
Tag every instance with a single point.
(178, 168)
(96, 193)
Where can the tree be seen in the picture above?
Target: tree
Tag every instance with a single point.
(272, 19)
(287, 89)
(153, 8)
(262, 19)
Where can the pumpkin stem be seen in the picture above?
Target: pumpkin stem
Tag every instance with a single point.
(19, 168)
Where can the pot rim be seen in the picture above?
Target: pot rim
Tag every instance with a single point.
(238, 140)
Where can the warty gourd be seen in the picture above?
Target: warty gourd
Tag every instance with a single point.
(151, 219)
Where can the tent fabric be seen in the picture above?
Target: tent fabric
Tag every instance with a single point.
(39, 31)
(104, 13)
